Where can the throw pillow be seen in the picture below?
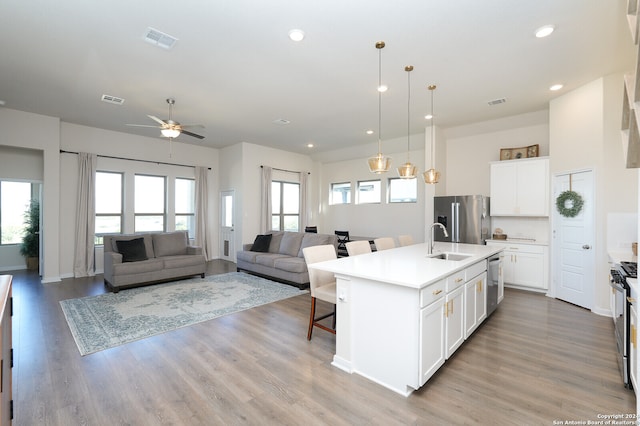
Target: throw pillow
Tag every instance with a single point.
(132, 250)
(261, 243)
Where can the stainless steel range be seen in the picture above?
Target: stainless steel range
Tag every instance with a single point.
(621, 309)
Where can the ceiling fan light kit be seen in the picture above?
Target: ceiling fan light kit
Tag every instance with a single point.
(170, 128)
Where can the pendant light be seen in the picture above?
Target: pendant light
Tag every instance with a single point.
(432, 175)
(379, 163)
(408, 170)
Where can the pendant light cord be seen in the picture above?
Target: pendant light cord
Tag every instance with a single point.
(408, 69)
(379, 100)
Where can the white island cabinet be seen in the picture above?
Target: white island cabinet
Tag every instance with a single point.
(400, 313)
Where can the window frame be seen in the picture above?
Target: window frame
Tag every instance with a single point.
(348, 193)
(98, 237)
(190, 230)
(26, 207)
(165, 196)
(282, 215)
(358, 191)
(390, 188)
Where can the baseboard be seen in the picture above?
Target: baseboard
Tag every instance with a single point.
(13, 268)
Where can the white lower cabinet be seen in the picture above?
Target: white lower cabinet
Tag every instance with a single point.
(454, 313)
(475, 300)
(524, 265)
(432, 329)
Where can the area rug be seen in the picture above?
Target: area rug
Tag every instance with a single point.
(113, 319)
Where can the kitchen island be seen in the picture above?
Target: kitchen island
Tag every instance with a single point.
(401, 313)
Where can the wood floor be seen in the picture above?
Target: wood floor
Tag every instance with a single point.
(534, 361)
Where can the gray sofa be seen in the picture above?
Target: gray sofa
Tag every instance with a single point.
(284, 261)
(133, 260)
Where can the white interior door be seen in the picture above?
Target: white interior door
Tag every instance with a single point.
(573, 240)
(227, 235)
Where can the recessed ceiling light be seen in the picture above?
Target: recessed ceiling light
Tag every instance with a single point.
(309, 145)
(369, 132)
(296, 35)
(428, 117)
(556, 87)
(544, 31)
(2, 103)
(382, 88)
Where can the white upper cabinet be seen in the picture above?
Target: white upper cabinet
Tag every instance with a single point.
(520, 187)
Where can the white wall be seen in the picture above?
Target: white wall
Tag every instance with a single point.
(373, 220)
(41, 133)
(470, 148)
(585, 133)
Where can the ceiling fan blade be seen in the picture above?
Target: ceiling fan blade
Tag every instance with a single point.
(185, 132)
(157, 119)
(144, 125)
(200, 126)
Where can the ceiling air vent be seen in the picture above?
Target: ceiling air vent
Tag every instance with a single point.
(159, 38)
(497, 101)
(281, 122)
(112, 99)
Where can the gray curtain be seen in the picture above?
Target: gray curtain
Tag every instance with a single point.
(83, 263)
(265, 216)
(304, 213)
(202, 203)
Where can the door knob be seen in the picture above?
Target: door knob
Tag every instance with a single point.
(586, 246)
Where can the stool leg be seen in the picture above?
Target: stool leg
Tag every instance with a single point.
(311, 317)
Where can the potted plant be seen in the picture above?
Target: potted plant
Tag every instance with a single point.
(30, 247)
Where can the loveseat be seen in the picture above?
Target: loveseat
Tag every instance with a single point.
(278, 256)
(133, 260)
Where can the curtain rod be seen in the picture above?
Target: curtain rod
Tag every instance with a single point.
(285, 170)
(133, 159)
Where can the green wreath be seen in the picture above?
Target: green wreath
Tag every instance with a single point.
(569, 203)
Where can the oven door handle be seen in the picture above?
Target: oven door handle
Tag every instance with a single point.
(617, 286)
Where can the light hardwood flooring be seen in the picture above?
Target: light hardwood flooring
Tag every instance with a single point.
(534, 361)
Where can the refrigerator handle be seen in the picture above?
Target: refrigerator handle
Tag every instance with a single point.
(453, 222)
(456, 238)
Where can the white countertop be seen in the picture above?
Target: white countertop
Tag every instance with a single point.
(520, 241)
(617, 256)
(407, 266)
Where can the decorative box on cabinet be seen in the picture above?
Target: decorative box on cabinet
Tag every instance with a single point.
(524, 265)
(520, 187)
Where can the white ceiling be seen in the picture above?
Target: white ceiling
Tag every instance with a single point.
(235, 71)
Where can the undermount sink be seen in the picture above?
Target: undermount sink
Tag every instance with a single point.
(450, 256)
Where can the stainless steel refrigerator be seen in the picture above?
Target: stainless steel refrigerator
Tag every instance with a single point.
(466, 218)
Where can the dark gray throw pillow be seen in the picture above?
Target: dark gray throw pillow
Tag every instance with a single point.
(261, 243)
(132, 250)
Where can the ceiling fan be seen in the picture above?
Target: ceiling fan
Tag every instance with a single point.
(170, 128)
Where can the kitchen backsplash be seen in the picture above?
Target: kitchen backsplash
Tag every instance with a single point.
(526, 228)
(622, 230)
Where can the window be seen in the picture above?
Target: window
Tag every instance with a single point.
(368, 191)
(185, 205)
(14, 201)
(340, 193)
(285, 206)
(149, 209)
(403, 190)
(108, 204)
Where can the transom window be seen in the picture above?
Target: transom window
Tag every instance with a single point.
(368, 191)
(340, 193)
(403, 190)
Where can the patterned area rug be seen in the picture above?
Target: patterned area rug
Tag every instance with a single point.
(113, 319)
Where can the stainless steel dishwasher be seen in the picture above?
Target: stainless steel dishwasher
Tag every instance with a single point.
(494, 264)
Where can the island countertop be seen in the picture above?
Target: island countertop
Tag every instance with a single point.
(408, 266)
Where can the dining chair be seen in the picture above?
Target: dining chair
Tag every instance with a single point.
(405, 240)
(343, 238)
(384, 243)
(358, 247)
(322, 285)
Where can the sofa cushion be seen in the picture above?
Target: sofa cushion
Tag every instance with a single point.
(291, 264)
(268, 259)
(141, 267)
(247, 256)
(132, 250)
(171, 262)
(170, 243)
(276, 238)
(310, 240)
(261, 243)
(290, 244)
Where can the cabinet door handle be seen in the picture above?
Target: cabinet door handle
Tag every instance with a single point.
(586, 246)
(458, 280)
(479, 286)
(437, 292)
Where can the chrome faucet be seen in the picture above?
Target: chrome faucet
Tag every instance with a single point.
(430, 248)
